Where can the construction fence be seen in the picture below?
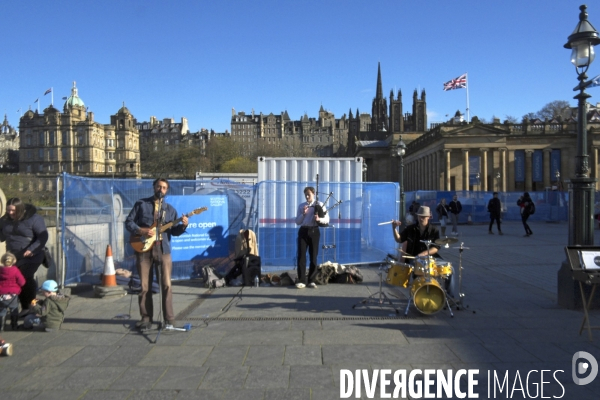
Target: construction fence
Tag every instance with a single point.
(94, 210)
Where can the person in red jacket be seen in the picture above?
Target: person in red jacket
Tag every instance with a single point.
(11, 282)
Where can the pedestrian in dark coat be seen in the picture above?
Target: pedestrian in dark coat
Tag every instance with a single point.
(495, 209)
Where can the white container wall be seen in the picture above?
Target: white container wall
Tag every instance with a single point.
(306, 169)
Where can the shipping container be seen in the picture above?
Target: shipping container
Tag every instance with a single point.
(306, 169)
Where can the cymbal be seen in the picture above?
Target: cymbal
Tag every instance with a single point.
(446, 240)
(464, 248)
(407, 256)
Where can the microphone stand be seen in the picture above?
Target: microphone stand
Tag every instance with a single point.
(158, 264)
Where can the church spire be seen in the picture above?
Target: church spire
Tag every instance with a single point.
(379, 94)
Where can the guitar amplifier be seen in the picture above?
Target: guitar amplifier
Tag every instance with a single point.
(250, 269)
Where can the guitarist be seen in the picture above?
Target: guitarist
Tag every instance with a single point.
(142, 220)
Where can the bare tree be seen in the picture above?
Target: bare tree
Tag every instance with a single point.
(555, 109)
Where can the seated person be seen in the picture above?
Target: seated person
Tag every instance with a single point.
(245, 244)
(413, 236)
(415, 233)
(48, 313)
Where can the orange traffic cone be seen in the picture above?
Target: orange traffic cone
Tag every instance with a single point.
(109, 278)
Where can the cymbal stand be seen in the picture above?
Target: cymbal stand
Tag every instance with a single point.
(458, 302)
(372, 300)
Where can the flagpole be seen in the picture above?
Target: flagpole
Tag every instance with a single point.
(468, 110)
(52, 98)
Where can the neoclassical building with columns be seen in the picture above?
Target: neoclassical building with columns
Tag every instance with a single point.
(530, 156)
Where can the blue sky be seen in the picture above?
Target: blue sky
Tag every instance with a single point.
(199, 59)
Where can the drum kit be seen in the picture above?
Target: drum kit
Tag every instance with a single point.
(432, 278)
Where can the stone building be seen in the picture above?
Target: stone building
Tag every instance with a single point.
(71, 141)
(530, 156)
(326, 135)
(162, 133)
(9, 147)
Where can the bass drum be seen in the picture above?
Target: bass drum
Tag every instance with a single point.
(428, 295)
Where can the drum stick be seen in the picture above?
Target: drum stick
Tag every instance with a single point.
(385, 223)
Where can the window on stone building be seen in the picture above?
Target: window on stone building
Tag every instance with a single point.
(28, 168)
(41, 167)
(29, 154)
(110, 168)
(41, 154)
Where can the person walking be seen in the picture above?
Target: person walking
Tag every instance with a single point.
(525, 202)
(442, 212)
(495, 209)
(455, 209)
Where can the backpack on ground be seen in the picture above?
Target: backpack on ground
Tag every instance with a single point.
(211, 279)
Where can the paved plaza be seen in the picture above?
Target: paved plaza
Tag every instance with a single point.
(284, 343)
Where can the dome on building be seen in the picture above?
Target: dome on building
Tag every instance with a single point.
(73, 100)
(123, 110)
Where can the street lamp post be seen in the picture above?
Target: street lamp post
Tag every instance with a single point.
(581, 187)
(399, 152)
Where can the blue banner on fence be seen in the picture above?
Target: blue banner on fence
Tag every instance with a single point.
(206, 234)
(538, 167)
(519, 165)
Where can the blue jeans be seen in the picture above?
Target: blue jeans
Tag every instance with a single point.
(454, 218)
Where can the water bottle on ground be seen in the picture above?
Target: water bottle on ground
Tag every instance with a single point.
(256, 280)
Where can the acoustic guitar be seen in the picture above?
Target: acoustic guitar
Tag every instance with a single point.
(143, 243)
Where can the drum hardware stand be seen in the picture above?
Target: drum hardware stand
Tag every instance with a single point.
(380, 293)
(459, 301)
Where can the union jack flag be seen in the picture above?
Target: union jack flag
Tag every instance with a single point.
(458, 83)
(48, 91)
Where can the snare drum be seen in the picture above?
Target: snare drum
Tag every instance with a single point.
(399, 274)
(442, 269)
(428, 295)
(424, 265)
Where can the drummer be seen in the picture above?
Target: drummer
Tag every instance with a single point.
(412, 236)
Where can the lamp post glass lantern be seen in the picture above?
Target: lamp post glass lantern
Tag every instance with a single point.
(399, 151)
(581, 187)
